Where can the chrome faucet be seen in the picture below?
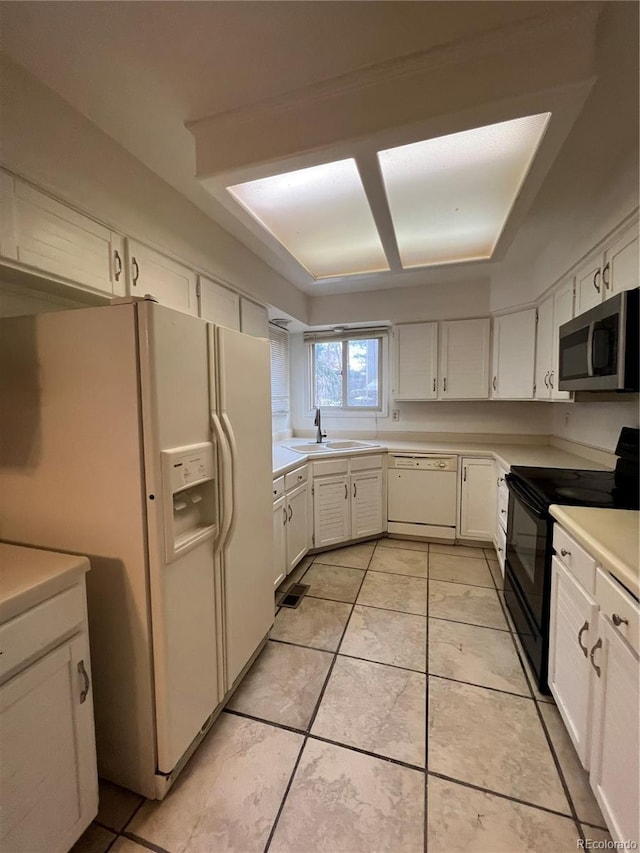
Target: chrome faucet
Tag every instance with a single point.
(318, 423)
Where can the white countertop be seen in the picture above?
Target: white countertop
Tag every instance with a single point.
(29, 576)
(542, 455)
(611, 536)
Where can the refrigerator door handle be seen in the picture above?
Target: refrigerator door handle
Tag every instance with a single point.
(226, 480)
(233, 447)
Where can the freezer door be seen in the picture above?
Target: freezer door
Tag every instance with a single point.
(174, 361)
(244, 411)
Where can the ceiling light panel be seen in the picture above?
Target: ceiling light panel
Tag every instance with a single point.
(450, 197)
(320, 215)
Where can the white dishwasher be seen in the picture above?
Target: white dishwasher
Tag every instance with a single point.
(422, 495)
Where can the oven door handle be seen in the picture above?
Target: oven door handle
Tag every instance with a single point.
(590, 348)
(517, 493)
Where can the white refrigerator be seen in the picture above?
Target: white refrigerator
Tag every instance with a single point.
(141, 437)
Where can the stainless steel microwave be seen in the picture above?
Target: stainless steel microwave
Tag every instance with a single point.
(598, 351)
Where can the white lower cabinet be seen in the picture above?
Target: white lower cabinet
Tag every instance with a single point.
(477, 499)
(594, 676)
(348, 504)
(291, 522)
(48, 774)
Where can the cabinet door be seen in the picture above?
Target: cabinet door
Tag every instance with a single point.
(416, 360)
(572, 632)
(279, 541)
(464, 359)
(254, 319)
(8, 247)
(544, 348)
(366, 504)
(615, 751)
(56, 239)
(514, 347)
(562, 313)
(589, 286)
(218, 304)
(297, 525)
(48, 771)
(152, 273)
(331, 511)
(478, 499)
(620, 271)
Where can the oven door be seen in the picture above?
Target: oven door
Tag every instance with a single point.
(527, 529)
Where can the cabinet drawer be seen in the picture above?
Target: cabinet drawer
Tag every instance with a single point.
(580, 563)
(36, 630)
(330, 466)
(616, 603)
(295, 478)
(503, 506)
(278, 488)
(500, 477)
(366, 463)
(501, 547)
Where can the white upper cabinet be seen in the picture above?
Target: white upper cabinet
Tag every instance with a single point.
(416, 361)
(514, 346)
(609, 270)
(254, 319)
(464, 359)
(553, 311)
(55, 239)
(218, 304)
(150, 273)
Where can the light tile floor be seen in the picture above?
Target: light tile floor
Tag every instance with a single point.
(393, 711)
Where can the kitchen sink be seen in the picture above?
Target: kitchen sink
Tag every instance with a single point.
(310, 447)
(314, 447)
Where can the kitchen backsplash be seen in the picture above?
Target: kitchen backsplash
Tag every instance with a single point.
(595, 423)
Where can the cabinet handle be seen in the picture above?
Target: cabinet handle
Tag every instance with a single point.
(284, 515)
(596, 276)
(464, 479)
(117, 265)
(503, 511)
(584, 628)
(346, 491)
(290, 513)
(136, 271)
(444, 385)
(85, 680)
(619, 620)
(551, 379)
(564, 552)
(355, 490)
(605, 277)
(494, 382)
(597, 646)
(434, 386)
(546, 379)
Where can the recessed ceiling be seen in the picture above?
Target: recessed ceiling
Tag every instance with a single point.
(320, 215)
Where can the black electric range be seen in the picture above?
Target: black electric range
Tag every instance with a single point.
(530, 535)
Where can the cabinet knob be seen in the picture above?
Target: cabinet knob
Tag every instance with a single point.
(564, 552)
(503, 511)
(619, 620)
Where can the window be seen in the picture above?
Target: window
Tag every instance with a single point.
(279, 370)
(346, 372)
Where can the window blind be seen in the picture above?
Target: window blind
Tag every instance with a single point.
(279, 339)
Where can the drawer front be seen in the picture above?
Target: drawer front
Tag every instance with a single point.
(579, 562)
(500, 477)
(330, 466)
(501, 547)
(623, 611)
(296, 478)
(366, 463)
(278, 488)
(38, 629)
(503, 506)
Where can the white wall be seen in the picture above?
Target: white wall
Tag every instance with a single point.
(596, 424)
(49, 142)
(16, 300)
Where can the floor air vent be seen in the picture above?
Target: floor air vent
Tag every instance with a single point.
(294, 595)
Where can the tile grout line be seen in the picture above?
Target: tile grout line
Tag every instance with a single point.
(316, 708)
(148, 845)
(425, 828)
(554, 756)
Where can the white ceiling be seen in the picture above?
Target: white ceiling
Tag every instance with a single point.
(140, 71)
